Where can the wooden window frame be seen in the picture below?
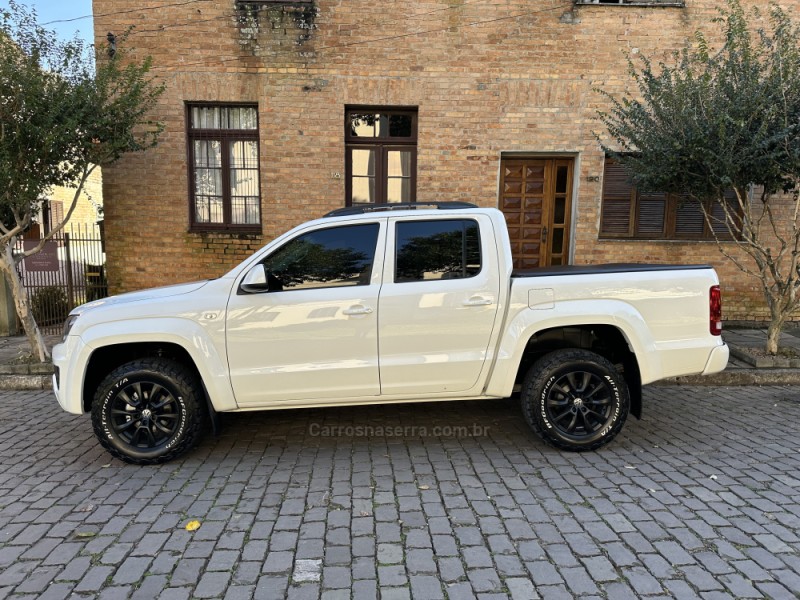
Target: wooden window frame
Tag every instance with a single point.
(381, 145)
(226, 137)
(669, 229)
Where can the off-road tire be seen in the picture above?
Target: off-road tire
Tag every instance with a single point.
(575, 400)
(149, 411)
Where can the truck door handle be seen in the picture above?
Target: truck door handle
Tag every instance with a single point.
(478, 301)
(358, 309)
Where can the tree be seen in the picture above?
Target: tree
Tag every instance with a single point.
(721, 119)
(63, 113)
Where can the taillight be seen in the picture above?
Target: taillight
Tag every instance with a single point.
(715, 310)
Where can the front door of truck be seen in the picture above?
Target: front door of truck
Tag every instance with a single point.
(438, 304)
(313, 333)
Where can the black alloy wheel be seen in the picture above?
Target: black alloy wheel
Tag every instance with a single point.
(149, 411)
(575, 399)
(145, 415)
(579, 403)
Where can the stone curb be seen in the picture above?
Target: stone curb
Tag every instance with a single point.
(739, 377)
(26, 382)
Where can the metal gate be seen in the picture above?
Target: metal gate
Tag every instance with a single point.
(69, 271)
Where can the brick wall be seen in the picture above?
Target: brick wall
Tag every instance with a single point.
(487, 77)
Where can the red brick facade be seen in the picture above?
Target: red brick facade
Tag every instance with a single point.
(489, 78)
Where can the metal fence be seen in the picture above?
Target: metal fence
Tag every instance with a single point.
(69, 271)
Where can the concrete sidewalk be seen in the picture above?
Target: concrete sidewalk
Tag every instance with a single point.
(18, 373)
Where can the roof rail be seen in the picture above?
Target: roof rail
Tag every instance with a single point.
(368, 208)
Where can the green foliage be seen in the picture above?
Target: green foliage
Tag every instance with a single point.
(63, 112)
(715, 119)
(60, 113)
(726, 118)
(49, 305)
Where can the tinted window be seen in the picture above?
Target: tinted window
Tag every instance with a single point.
(335, 257)
(433, 250)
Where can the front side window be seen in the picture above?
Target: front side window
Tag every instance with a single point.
(435, 250)
(381, 155)
(223, 167)
(336, 257)
(629, 213)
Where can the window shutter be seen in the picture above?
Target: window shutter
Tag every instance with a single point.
(689, 218)
(56, 213)
(617, 201)
(651, 217)
(718, 224)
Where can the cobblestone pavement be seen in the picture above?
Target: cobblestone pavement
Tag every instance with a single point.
(700, 499)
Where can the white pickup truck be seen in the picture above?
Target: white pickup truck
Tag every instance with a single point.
(403, 304)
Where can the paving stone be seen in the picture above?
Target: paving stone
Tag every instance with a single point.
(501, 516)
(425, 587)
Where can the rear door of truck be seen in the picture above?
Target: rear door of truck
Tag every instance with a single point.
(438, 303)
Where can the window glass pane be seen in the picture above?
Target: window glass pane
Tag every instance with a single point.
(363, 124)
(217, 215)
(363, 190)
(400, 126)
(249, 118)
(245, 210)
(363, 162)
(206, 117)
(234, 121)
(244, 155)
(340, 256)
(398, 190)
(561, 180)
(435, 250)
(559, 210)
(208, 181)
(557, 246)
(201, 208)
(208, 153)
(244, 183)
(399, 163)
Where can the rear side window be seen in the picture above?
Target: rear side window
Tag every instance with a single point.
(336, 257)
(436, 250)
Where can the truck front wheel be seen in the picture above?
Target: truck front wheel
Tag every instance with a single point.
(148, 411)
(575, 399)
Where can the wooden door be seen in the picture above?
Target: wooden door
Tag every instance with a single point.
(536, 198)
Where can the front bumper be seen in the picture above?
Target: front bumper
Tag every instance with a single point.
(69, 359)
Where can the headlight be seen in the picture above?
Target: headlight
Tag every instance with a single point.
(68, 325)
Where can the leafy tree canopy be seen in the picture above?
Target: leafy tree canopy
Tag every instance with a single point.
(715, 119)
(64, 111)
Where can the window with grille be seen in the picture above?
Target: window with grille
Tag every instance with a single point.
(628, 213)
(224, 181)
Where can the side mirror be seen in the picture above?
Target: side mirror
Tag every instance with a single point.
(256, 281)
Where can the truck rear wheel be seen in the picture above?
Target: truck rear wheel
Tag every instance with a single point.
(148, 411)
(575, 399)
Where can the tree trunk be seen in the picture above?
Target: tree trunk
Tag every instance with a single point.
(774, 335)
(35, 339)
